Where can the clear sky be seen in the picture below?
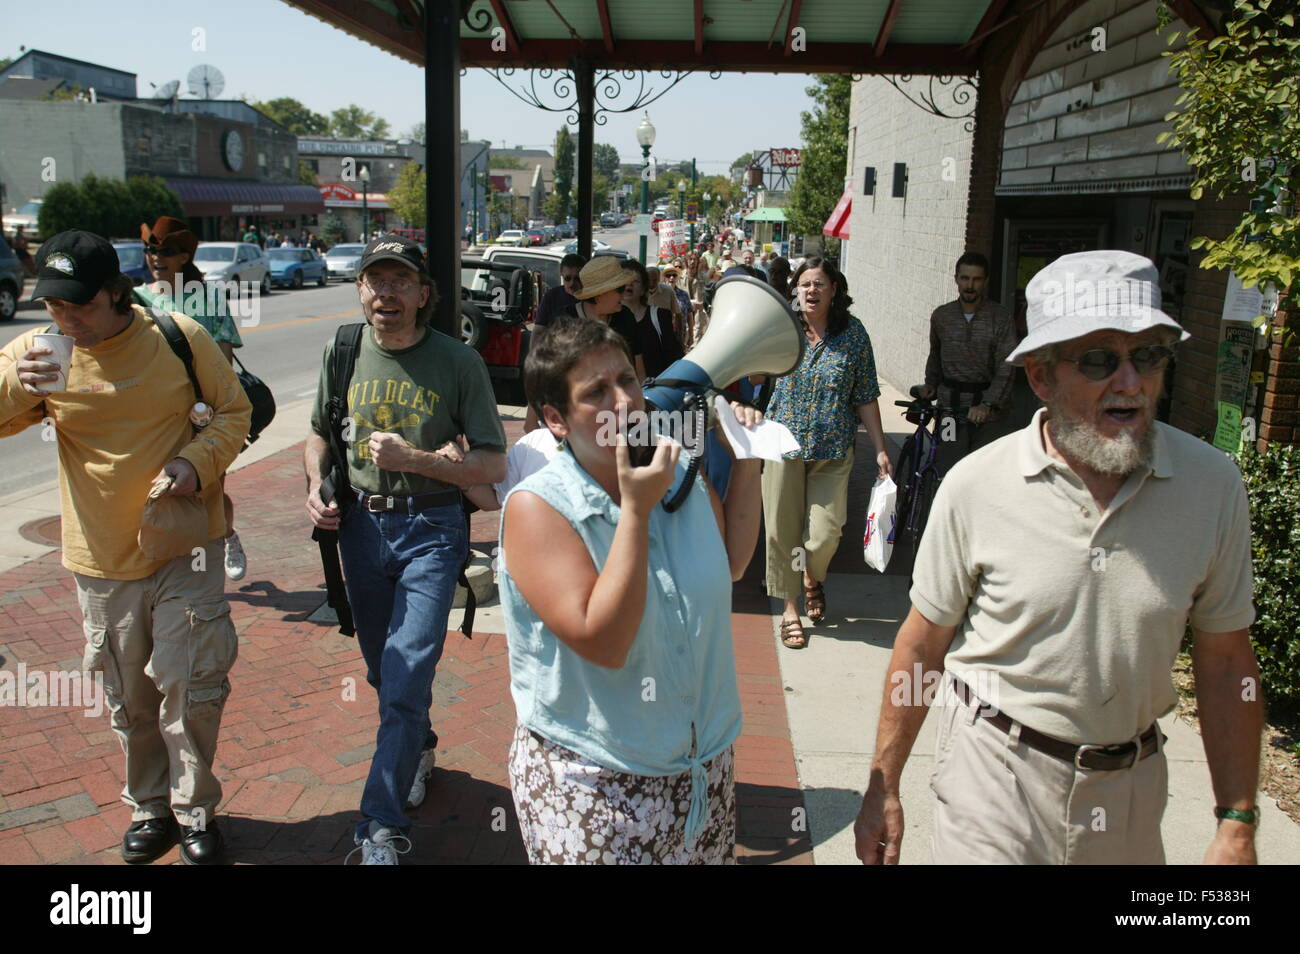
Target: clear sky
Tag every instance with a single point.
(267, 49)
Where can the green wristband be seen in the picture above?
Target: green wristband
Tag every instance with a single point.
(1247, 816)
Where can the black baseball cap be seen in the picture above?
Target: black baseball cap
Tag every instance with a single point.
(74, 266)
(393, 248)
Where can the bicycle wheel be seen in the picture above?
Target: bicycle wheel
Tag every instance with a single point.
(924, 497)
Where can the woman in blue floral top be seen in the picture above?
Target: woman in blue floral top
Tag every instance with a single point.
(805, 496)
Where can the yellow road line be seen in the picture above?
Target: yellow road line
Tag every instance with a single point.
(300, 321)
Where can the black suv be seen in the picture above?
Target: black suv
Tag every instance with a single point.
(495, 322)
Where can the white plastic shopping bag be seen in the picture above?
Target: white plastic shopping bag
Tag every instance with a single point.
(878, 541)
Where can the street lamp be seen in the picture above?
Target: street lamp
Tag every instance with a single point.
(645, 137)
(706, 197)
(365, 207)
(681, 204)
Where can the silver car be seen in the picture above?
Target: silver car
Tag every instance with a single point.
(234, 262)
(342, 261)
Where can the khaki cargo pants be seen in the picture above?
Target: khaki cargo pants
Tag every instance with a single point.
(164, 644)
(1000, 802)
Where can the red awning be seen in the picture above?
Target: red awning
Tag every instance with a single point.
(837, 225)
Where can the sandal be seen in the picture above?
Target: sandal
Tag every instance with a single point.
(814, 603)
(792, 634)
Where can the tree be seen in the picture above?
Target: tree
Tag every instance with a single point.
(294, 116)
(4, 63)
(507, 162)
(417, 134)
(1238, 123)
(605, 161)
(108, 207)
(407, 196)
(306, 174)
(331, 228)
(353, 122)
(825, 153)
(563, 173)
(742, 163)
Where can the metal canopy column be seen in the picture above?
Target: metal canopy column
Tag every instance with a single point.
(442, 160)
(585, 88)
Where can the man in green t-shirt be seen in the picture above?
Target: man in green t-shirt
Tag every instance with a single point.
(404, 539)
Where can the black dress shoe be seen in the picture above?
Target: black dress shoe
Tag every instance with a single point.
(202, 846)
(148, 840)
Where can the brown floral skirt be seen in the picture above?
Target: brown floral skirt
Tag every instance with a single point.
(573, 811)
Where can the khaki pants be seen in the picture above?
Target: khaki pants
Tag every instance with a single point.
(1000, 802)
(805, 503)
(164, 644)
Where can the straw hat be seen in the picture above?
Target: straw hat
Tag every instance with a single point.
(603, 273)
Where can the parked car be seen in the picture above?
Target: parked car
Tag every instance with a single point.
(516, 237)
(234, 261)
(536, 237)
(130, 258)
(25, 215)
(610, 220)
(544, 261)
(597, 248)
(11, 281)
(496, 310)
(342, 261)
(567, 229)
(551, 232)
(294, 267)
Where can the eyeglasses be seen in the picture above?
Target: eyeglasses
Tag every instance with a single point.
(805, 286)
(1101, 363)
(398, 286)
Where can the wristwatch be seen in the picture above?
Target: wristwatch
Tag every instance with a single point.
(1247, 816)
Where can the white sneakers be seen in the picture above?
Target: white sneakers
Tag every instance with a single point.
(420, 787)
(236, 562)
(381, 846)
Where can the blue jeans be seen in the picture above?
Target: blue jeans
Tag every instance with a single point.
(401, 575)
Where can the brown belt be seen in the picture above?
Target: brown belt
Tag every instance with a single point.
(1104, 758)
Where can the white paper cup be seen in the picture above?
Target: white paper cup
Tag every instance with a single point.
(61, 348)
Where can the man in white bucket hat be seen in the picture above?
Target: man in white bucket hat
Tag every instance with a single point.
(1058, 571)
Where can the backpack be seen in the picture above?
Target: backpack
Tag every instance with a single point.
(336, 485)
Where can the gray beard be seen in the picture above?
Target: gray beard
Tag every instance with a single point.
(1081, 441)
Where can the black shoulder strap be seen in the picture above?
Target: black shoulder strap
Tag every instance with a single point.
(347, 342)
(179, 344)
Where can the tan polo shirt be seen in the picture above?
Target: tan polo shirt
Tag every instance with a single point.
(1070, 616)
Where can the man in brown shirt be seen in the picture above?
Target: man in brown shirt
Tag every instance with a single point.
(970, 339)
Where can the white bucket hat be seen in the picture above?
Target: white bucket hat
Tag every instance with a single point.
(1091, 291)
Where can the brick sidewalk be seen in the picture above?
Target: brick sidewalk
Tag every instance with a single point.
(299, 727)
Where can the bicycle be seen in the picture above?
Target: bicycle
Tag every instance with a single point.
(918, 474)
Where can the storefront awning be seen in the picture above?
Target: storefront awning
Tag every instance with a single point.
(837, 226)
(767, 213)
(222, 197)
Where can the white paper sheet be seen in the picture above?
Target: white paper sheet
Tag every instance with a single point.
(770, 440)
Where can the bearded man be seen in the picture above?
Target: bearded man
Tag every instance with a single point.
(1059, 569)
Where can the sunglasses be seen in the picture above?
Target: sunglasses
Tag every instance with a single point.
(1100, 363)
(165, 252)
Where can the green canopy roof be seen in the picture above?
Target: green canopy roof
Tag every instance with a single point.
(767, 213)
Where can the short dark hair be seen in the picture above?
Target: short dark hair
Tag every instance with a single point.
(839, 317)
(423, 316)
(972, 258)
(573, 260)
(633, 265)
(119, 289)
(567, 341)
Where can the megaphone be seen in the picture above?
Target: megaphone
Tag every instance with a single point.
(752, 330)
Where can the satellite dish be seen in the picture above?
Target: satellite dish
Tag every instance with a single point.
(206, 82)
(167, 90)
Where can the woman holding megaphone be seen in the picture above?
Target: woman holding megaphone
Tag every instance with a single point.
(618, 617)
(805, 495)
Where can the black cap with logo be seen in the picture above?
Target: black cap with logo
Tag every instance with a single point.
(393, 248)
(74, 266)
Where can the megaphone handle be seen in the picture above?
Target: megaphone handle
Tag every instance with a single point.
(693, 468)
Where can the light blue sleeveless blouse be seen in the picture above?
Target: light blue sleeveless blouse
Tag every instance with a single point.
(674, 705)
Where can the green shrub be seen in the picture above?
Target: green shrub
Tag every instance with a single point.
(108, 207)
(1273, 484)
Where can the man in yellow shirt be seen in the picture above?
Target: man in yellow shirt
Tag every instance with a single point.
(158, 630)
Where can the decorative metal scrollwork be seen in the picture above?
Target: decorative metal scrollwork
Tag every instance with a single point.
(611, 87)
(945, 96)
(477, 19)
